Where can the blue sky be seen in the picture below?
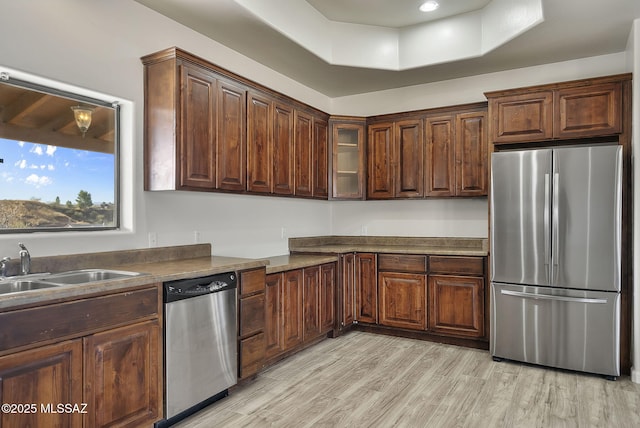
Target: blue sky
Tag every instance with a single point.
(43, 172)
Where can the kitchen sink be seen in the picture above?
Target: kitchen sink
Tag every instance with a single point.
(41, 281)
(17, 285)
(88, 275)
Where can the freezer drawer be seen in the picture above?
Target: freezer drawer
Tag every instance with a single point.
(569, 329)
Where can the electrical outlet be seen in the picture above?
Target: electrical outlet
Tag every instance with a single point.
(196, 236)
(283, 232)
(364, 230)
(153, 239)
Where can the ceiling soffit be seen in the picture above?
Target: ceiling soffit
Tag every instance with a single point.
(454, 38)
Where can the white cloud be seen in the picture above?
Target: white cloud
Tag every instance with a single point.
(22, 164)
(51, 167)
(21, 143)
(37, 149)
(51, 150)
(38, 181)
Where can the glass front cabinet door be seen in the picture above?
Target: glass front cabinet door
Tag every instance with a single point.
(348, 158)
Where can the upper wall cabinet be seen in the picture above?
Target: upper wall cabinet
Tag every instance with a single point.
(456, 154)
(208, 129)
(395, 159)
(347, 166)
(194, 126)
(577, 109)
(433, 153)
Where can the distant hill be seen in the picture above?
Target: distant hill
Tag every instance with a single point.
(22, 214)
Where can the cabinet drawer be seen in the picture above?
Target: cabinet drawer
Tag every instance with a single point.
(402, 263)
(251, 315)
(252, 281)
(252, 353)
(457, 265)
(76, 318)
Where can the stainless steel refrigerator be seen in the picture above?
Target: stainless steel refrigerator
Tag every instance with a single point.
(556, 218)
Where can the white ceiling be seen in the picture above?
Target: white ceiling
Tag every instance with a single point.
(571, 29)
(395, 13)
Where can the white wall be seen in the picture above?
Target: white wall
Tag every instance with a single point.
(97, 44)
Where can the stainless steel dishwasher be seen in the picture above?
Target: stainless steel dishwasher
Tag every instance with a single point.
(200, 342)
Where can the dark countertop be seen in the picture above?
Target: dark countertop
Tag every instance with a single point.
(297, 261)
(191, 261)
(390, 244)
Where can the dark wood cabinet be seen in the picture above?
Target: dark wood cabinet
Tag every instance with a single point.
(327, 297)
(283, 321)
(194, 125)
(380, 154)
(251, 322)
(440, 155)
(274, 335)
(120, 363)
(348, 269)
(521, 117)
(47, 375)
(259, 144)
(320, 158)
(577, 109)
(348, 158)
(304, 153)
(585, 112)
(395, 160)
(402, 287)
(300, 307)
(292, 308)
(403, 300)
(283, 151)
(311, 302)
(456, 305)
(408, 158)
(198, 127)
(471, 154)
(457, 154)
(105, 351)
(366, 288)
(457, 296)
(231, 157)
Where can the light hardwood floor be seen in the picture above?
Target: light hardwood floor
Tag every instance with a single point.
(368, 380)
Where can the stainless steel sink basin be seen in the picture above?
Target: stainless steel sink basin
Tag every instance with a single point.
(40, 281)
(14, 286)
(88, 275)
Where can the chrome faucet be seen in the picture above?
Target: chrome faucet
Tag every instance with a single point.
(25, 260)
(3, 266)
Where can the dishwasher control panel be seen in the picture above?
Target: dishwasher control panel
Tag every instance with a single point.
(187, 288)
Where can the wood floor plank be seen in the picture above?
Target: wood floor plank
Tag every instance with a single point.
(367, 380)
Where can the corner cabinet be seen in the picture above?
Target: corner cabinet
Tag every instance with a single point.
(577, 109)
(347, 166)
(194, 126)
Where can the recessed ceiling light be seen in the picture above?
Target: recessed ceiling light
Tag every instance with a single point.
(429, 6)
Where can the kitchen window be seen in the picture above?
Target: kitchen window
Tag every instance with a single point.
(58, 159)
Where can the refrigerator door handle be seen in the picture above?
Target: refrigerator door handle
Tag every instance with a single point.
(551, 297)
(547, 235)
(555, 233)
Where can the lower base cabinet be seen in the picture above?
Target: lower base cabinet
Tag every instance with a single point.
(438, 295)
(39, 377)
(456, 305)
(299, 307)
(251, 322)
(118, 364)
(107, 374)
(403, 300)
